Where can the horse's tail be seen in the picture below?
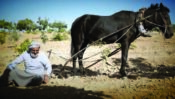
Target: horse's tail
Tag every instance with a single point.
(72, 49)
(77, 33)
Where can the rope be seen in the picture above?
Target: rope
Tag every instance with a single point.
(50, 51)
(79, 60)
(58, 55)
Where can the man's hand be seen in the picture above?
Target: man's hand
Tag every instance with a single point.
(46, 78)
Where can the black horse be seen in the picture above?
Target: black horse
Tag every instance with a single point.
(121, 26)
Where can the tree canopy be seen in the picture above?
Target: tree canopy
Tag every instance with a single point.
(5, 24)
(26, 24)
(59, 25)
(43, 23)
(29, 25)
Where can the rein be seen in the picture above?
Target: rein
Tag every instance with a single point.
(165, 23)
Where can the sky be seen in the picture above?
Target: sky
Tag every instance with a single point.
(68, 10)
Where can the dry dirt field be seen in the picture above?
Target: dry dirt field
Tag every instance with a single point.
(151, 72)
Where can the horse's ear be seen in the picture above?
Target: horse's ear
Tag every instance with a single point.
(156, 6)
(164, 7)
(161, 5)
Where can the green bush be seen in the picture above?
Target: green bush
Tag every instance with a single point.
(174, 27)
(98, 43)
(133, 46)
(36, 31)
(23, 46)
(156, 29)
(44, 37)
(3, 37)
(105, 53)
(61, 36)
(50, 30)
(14, 36)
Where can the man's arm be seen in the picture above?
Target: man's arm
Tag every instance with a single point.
(16, 61)
(48, 69)
(47, 64)
(5, 76)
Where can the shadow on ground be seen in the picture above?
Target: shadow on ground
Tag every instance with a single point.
(141, 68)
(68, 71)
(49, 92)
(144, 69)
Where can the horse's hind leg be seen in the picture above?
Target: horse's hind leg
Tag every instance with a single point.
(74, 64)
(75, 55)
(80, 57)
(79, 53)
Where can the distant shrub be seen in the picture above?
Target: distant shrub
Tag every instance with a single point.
(156, 29)
(28, 31)
(50, 30)
(14, 36)
(105, 53)
(98, 43)
(23, 46)
(133, 46)
(44, 37)
(3, 37)
(61, 36)
(37, 31)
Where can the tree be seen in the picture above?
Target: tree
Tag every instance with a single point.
(43, 23)
(26, 24)
(5, 24)
(60, 25)
(2, 37)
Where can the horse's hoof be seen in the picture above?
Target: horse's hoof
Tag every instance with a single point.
(83, 72)
(74, 71)
(123, 73)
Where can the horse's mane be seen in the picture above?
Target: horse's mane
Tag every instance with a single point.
(161, 6)
(122, 12)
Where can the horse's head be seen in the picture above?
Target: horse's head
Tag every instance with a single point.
(160, 18)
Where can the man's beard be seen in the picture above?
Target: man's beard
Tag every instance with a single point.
(33, 55)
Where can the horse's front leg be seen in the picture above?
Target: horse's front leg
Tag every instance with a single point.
(124, 56)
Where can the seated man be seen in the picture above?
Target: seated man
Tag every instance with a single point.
(37, 68)
(140, 25)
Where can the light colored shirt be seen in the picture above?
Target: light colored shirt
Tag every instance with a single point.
(39, 65)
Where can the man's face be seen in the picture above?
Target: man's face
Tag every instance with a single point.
(34, 52)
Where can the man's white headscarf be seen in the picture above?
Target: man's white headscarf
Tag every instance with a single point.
(34, 44)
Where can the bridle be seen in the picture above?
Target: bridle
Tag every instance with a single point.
(164, 21)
